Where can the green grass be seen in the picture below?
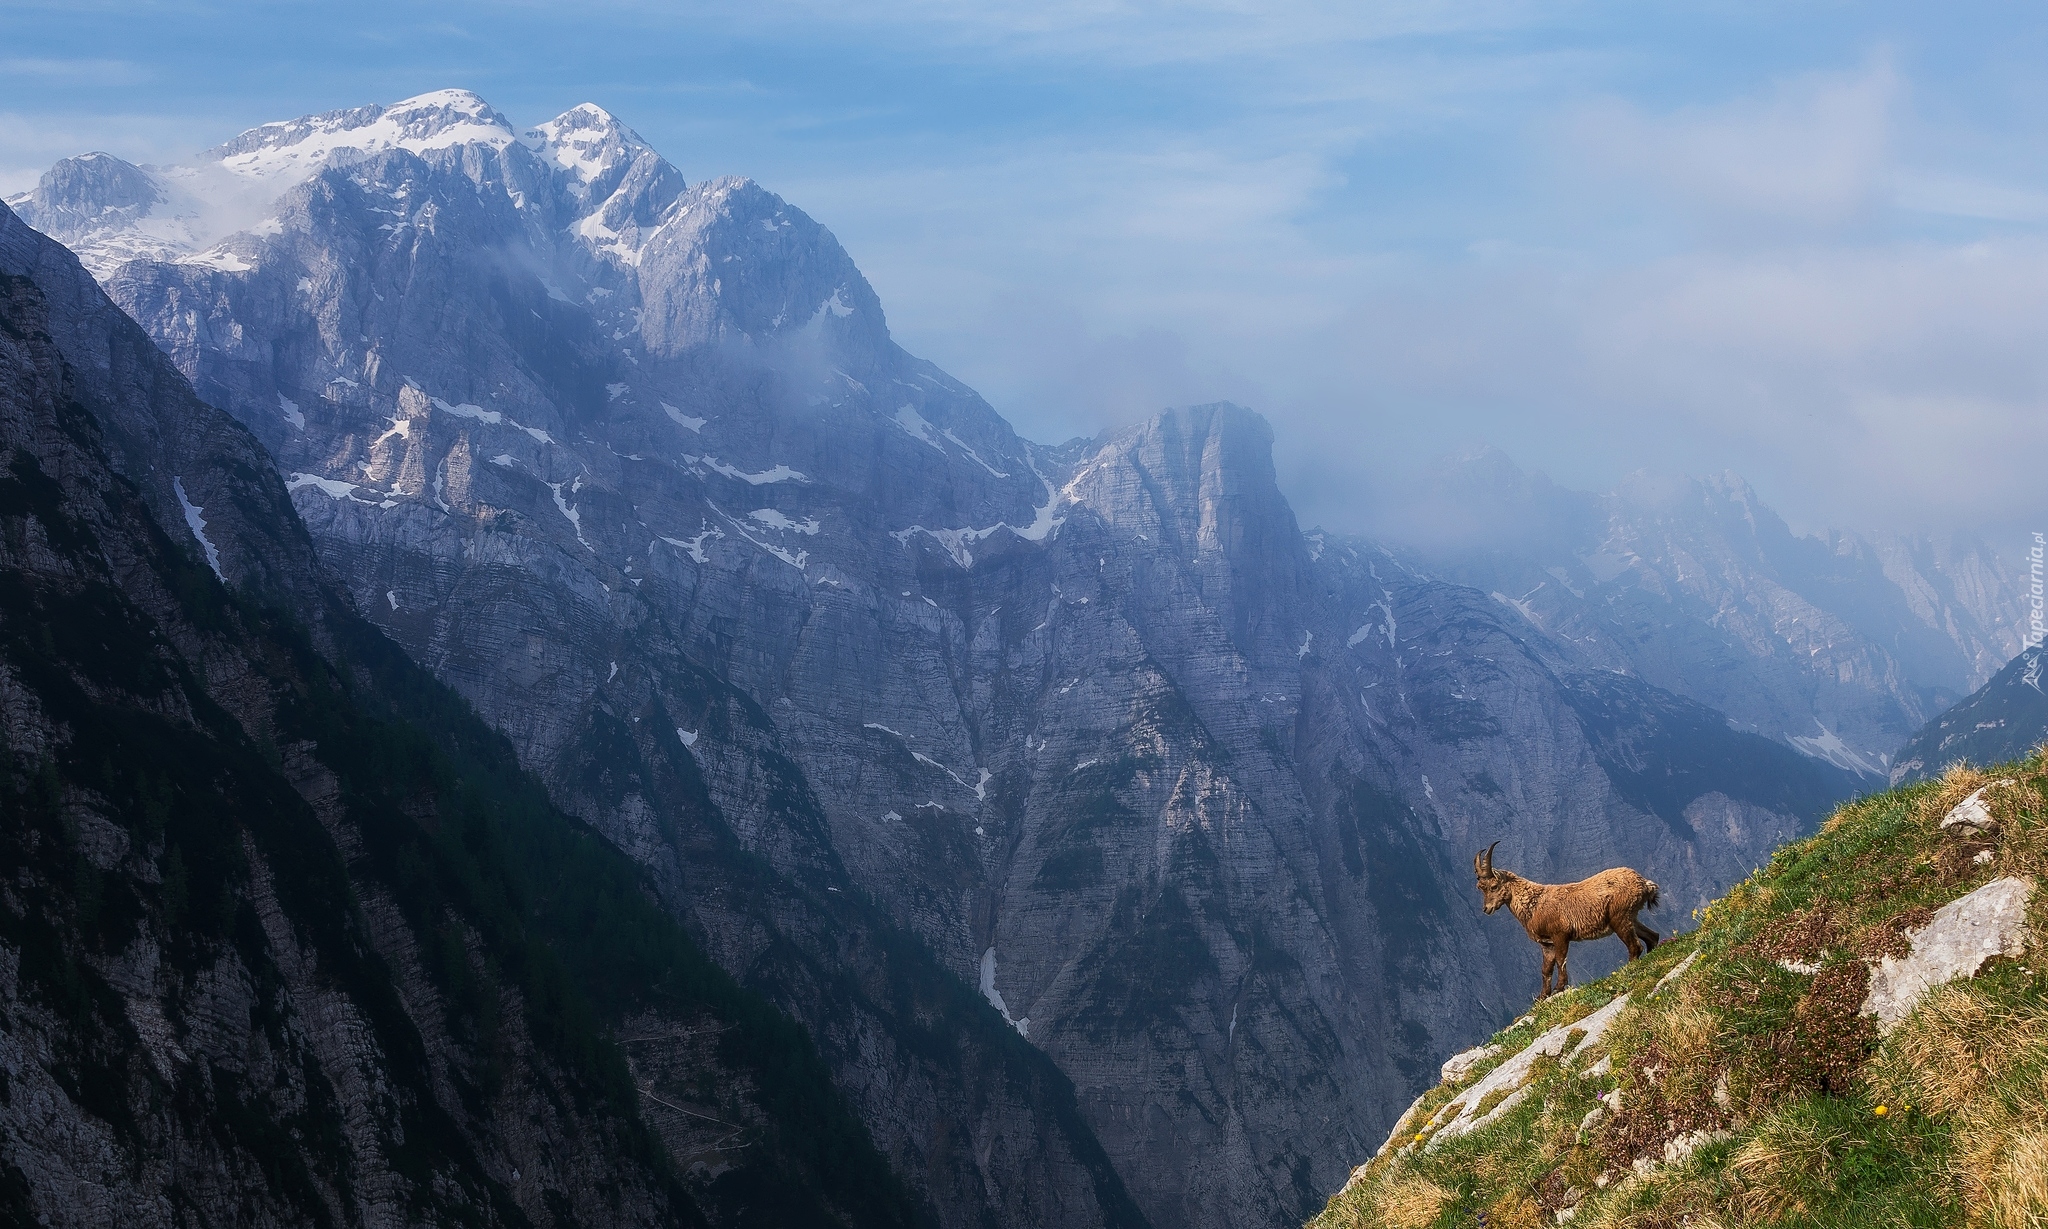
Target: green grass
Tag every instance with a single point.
(1769, 1072)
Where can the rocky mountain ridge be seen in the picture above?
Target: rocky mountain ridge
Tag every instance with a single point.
(1107, 832)
(2005, 719)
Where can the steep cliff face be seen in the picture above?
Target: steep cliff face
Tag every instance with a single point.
(1108, 833)
(286, 934)
(1838, 645)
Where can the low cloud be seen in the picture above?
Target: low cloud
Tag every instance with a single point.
(1893, 387)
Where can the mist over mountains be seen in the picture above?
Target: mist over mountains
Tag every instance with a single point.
(1840, 644)
(1107, 833)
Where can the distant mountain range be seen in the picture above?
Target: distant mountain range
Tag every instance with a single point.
(1840, 645)
(1109, 835)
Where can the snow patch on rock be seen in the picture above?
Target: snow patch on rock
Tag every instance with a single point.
(333, 488)
(775, 519)
(780, 473)
(197, 524)
(995, 997)
(1828, 745)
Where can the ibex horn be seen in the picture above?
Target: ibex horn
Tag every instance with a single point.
(1488, 856)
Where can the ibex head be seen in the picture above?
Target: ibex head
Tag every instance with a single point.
(1493, 884)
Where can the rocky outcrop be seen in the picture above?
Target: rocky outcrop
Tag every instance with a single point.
(1108, 833)
(1955, 942)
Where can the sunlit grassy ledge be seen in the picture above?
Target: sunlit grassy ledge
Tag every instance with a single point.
(1752, 1090)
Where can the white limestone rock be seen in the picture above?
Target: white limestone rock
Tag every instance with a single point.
(1677, 1151)
(1677, 971)
(1465, 1117)
(1956, 942)
(1462, 1064)
(1972, 816)
(1394, 1137)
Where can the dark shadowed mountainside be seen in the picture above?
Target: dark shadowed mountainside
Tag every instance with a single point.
(288, 936)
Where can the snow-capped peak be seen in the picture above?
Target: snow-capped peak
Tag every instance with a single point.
(294, 149)
(217, 209)
(587, 141)
(110, 212)
(621, 186)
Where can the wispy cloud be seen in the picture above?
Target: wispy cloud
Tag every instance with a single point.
(74, 72)
(1123, 32)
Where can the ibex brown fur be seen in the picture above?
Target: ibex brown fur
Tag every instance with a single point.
(1555, 914)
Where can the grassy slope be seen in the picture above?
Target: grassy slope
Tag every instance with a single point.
(1779, 1060)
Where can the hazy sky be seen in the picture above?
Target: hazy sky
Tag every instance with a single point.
(1808, 242)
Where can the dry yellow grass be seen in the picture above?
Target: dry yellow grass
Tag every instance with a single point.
(1942, 1063)
(1688, 1028)
(1409, 1201)
(1786, 1156)
(2016, 1191)
(1981, 1068)
(1514, 1210)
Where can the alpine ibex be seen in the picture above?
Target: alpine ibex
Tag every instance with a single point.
(1555, 914)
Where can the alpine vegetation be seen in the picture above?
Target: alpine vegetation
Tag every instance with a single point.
(1856, 1034)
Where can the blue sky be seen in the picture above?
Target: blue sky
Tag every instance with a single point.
(1808, 242)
